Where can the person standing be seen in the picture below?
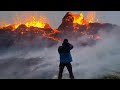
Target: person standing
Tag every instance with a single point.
(65, 58)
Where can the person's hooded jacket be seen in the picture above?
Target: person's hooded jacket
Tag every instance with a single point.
(64, 51)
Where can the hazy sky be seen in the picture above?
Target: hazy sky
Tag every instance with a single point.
(55, 17)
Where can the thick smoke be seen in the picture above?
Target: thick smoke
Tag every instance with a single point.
(25, 60)
(99, 60)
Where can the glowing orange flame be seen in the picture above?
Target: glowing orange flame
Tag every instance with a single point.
(32, 21)
(36, 23)
(41, 22)
(80, 19)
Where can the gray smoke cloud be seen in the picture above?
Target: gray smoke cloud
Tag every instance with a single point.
(89, 62)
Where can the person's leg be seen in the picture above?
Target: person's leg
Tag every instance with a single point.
(69, 67)
(61, 67)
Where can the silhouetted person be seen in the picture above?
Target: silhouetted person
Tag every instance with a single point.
(65, 58)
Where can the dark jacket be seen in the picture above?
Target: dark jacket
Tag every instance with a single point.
(64, 52)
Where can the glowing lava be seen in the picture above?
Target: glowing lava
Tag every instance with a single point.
(40, 25)
(80, 18)
(36, 23)
(31, 21)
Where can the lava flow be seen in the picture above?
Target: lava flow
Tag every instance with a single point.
(39, 25)
(31, 21)
(73, 26)
(80, 18)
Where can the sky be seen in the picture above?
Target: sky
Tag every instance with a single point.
(55, 17)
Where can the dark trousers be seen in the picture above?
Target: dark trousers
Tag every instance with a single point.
(69, 68)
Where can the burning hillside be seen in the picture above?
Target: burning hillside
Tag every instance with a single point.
(28, 47)
(73, 26)
(27, 30)
(30, 21)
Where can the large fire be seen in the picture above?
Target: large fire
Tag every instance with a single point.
(40, 25)
(41, 21)
(31, 21)
(36, 23)
(80, 18)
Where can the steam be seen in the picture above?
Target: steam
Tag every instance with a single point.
(43, 62)
(100, 59)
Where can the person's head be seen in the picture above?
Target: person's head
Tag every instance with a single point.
(65, 42)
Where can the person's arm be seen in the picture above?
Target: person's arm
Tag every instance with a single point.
(71, 46)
